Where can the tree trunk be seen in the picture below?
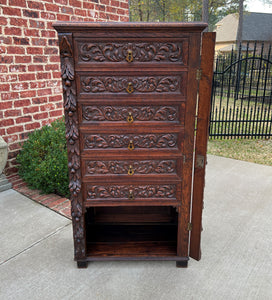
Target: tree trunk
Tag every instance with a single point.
(240, 23)
(205, 12)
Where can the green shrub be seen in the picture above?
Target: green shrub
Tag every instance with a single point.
(43, 160)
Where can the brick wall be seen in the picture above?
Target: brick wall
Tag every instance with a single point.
(30, 85)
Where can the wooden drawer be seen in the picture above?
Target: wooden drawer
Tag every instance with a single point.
(131, 193)
(124, 113)
(132, 142)
(131, 168)
(131, 51)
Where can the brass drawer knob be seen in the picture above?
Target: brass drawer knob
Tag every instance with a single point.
(130, 170)
(129, 57)
(130, 88)
(130, 195)
(130, 145)
(130, 118)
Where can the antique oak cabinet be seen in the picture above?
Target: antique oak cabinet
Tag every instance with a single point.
(130, 99)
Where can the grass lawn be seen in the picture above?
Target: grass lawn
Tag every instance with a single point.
(252, 150)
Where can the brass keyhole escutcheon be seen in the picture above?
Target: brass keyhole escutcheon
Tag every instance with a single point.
(130, 170)
(130, 88)
(130, 145)
(130, 118)
(129, 57)
(130, 195)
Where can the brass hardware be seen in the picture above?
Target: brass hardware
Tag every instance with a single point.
(200, 160)
(198, 74)
(129, 57)
(130, 170)
(130, 88)
(130, 195)
(130, 145)
(130, 118)
(190, 227)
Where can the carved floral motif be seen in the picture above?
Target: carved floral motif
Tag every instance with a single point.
(141, 52)
(124, 191)
(72, 135)
(108, 84)
(120, 113)
(139, 167)
(93, 141)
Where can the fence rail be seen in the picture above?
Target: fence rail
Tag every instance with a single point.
(242, 94)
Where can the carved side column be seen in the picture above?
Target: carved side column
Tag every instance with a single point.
(72, 136)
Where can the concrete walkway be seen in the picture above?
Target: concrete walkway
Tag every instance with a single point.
(36, 257)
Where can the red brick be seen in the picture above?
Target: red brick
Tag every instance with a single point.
(54, 58)
(31, 109)
(31, 32)
(50, 50)
(43, 115)
(13, 113)
(27, 77)
(80, 12)
(121, 11)
(13, 31)
(19, 86)
(14, 129)
(8, 78)
(17, 68)
(111, 9)
(31, 13)
(124, 5)
(28, 94)
(61, 17)
(38, 84)
(4, 87)
(24, 119)
(14, 146)
(48, 16)
(47, 107)
(38, 42)
(32, 126)
(15, 50)
(67, 10)
(11, 11)
(39, 100)
(6, 59)
(88, 5)
(21, 103)
(34, 50)
(21, 41)
(35, 5)
(3, 69)
(9, 96)
(6, 105)
(35, 68)
(48, 33)
(77, 19)
(52, 67)
(52, 7)
(3, 21)
(115, 3)
(18, 22)
(44, 92)
(56, 202)
(124, 18)
(7, 40)
(62, 2)
(36, 24)
(43, 76)
(57, 75)
(100, 8)
(56, 113)
(113, 17)
(6, 122)
(75, 3)
(105, 2)
(21, 3)
(55, 98)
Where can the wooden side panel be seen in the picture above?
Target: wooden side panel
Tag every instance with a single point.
(208, 42)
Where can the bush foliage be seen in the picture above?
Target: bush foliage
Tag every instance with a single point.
(43, 160)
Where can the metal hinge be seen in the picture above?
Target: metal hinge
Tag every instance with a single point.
(200, 160)
(198, 74)
(190, 227)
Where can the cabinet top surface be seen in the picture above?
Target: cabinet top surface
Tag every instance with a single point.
(86, 26)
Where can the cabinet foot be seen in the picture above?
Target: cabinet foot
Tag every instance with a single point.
(82, 264)
(182, 264)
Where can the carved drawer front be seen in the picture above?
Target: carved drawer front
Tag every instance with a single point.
(132, 51)
(131, 141)
(130, 167)
(126, 84)
(131, 192)
(133, 113)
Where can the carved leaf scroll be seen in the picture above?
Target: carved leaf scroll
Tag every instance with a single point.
(120, 113)
(141, 52)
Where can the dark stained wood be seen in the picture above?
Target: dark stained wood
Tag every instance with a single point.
(130, 93)
(207, 53)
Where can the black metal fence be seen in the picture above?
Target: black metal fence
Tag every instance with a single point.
(242, 94)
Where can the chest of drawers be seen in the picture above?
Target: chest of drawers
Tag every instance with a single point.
(130, 94)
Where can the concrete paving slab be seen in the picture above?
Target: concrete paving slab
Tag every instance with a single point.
(24, 223)
(236, 246)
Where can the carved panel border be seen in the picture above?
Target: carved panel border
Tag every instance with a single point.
(119, 51)
(138, 191)
(94, 113)
(72, 136)
(94, 167)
